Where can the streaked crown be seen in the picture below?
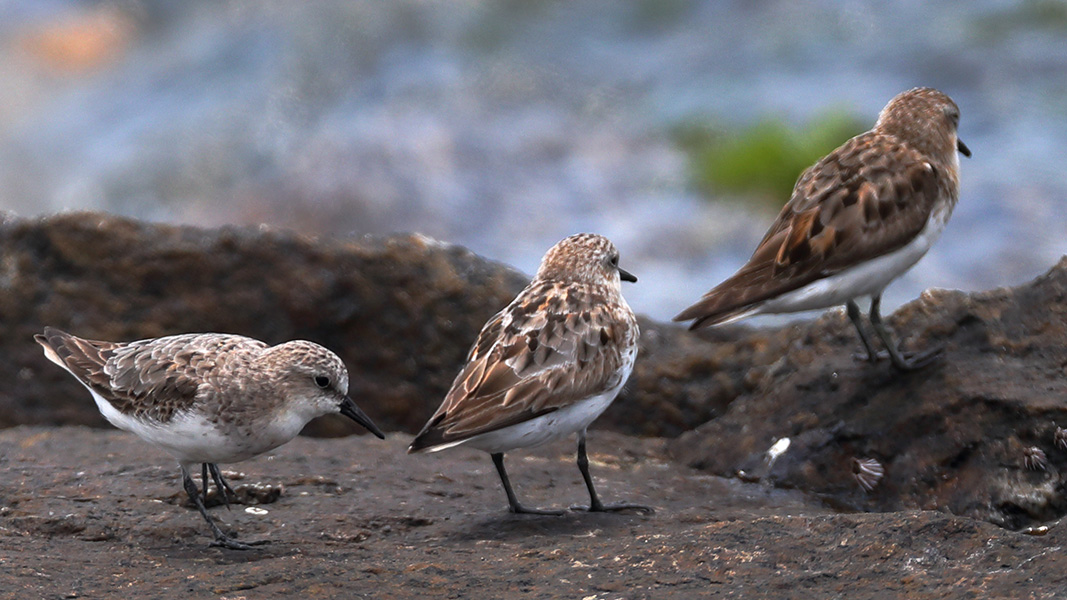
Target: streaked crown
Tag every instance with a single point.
(306, 369)
(584, 258)
(925, 119)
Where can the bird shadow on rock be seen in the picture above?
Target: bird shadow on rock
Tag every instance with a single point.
(189, 543)
(508, 526)
(225, 556)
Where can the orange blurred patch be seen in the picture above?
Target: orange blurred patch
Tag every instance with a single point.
(80, 41)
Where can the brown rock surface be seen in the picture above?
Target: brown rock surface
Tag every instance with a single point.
(94, 513)
(974, 436)
(956, 436)
(401, 312)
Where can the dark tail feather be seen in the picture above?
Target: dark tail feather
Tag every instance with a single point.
(83, 358)
(709, 312)
(54, 343)
(425, 440)
(737, 297)
(430, 436)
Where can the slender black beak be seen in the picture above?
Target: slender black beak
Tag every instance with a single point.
(350, 410)
(964, 150)
(627, 276)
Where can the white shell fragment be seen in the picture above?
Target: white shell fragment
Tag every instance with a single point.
(777, 449)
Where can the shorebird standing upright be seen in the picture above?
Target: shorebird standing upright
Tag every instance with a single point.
(545, 366)
(857, 220)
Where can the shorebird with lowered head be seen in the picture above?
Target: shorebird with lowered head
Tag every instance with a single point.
(546, 365)
(858, 219)
(208, 398)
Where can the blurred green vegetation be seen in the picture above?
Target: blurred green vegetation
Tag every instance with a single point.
(1049, 16)
(763, 160)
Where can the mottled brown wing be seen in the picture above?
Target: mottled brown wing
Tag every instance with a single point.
(85, 359)
(865, 199)
(552, 346)
(151, 379)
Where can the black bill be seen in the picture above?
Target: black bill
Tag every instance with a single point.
(964, 150)
(627, 276)
(350, 410)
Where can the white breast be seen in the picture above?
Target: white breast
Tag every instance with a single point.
(551, 426)
(865, 279)
(191, 438)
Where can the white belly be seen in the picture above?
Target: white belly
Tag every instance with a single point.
(551, 426)
(865, 279)
(543, 429)
(190, 438)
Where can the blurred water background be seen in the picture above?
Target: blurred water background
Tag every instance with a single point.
(505, 125)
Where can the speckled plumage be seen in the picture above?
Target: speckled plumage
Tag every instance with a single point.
(546, 365)
(208, 398)
(857, 219)
(554, 345)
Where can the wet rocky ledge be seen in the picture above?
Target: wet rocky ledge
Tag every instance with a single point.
(968, 446)
(88, 513)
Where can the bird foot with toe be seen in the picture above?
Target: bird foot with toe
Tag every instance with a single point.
(618, 507)
(522, 510)
(904, 361)
(912, 361)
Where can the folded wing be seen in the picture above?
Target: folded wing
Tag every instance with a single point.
(150, 379)
(541, 353)
(857, 203)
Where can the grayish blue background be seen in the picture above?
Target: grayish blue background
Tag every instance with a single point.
(507, 125)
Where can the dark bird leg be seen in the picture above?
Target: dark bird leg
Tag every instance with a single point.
(221, 539)
(901, 362)
(595, 505)
(857, 320)
(513, 502)
(224, 488)
(203, 481)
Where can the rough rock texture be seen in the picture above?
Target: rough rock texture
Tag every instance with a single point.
(974, 434)
(95, 514)
(401, 312)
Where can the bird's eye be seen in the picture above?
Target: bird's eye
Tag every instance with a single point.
(615, 260)
(322, 381)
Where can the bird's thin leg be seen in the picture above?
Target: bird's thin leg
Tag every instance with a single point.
(513, 502)
(224, 488)
(595, 505)
(221, 539)
(203, 481)
(910, 363)
(854, 315)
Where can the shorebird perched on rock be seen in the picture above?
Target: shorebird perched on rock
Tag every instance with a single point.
(857, 220)
(545, 366)
(208, 398)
